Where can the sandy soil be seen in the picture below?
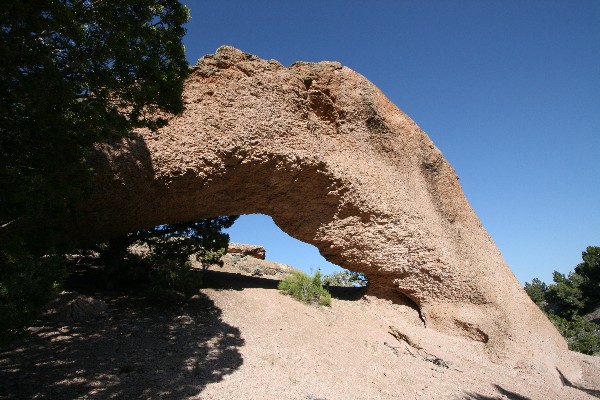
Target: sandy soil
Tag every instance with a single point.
(240, 338)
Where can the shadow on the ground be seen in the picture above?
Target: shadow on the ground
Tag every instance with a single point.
(506, 394)
(567, 382)
(231, 281)
(134, 350)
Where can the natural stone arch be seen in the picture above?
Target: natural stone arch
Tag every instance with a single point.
(337, 165)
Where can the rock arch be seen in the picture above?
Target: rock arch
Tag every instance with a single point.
(336, 164)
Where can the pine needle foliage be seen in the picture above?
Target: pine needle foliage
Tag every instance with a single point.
(73, 73)
(570, 301)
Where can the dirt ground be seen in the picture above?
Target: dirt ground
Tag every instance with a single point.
(239, 338)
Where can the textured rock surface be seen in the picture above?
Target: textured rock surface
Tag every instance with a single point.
(247, 250)
(249, 265)
(336, 164)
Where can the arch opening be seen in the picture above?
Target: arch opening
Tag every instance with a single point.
(261, 230)
(277, 247)
(301, 194)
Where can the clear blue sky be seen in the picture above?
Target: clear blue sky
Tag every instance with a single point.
(508, 90)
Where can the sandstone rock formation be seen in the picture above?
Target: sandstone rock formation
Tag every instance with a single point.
(250, 265)
(336, 164)
(246, 250)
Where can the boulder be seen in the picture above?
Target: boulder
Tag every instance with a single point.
(247, 250)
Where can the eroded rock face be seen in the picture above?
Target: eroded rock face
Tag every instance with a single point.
(250, 265)
(246, 250)
(336, 164)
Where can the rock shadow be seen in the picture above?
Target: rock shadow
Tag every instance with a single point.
(347, 293)
(506, 394)
(568, 383)
(134, 350)
(220, 280)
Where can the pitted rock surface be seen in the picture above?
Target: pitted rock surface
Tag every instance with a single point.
(321, 150)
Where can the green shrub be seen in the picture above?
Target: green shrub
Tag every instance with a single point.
(27, 284)
(171, 280)
(305, 288)
(581, 335)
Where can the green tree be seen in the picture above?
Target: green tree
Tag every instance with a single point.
(158, 259)
(568, 298)
(203, 239)
(537, 291)
(589, 270)
(581, 335)
(565, 297)
(72, 73)
(346, 279)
